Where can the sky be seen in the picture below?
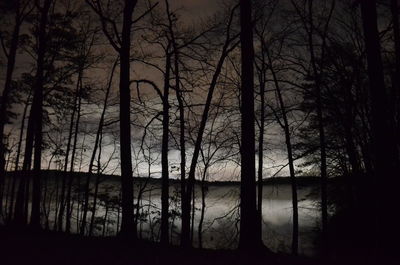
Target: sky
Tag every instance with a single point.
(196, 8)
(191, 12)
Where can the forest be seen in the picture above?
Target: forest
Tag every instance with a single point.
(199, 131)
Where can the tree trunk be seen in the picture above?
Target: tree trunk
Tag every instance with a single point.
(203, 206)
(261, 143)
(250, 236)
(95, 146)
(394, 7)
(164, 157)
(95, 195)
(199, 139)
(21, 134)
(286, 129)
(6, 93)
(65, 175)
(385, 156)
(322, 141)
(37, 107)
(72, 164)
(56, 204)
(192, 215)
(185, 230)
(105, 220)
(351, 148)
(128, 227)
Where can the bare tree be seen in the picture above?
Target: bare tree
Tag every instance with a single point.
(229, 44)
(21, 9)
(317, 73)
(34, 131)
(121, 42)
(250, 236)
(287, 131)
(97, 145)
(385, 153)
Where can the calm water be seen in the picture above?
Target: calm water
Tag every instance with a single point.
(221, 218)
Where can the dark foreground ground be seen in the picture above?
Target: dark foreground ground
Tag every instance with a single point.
(25, 247)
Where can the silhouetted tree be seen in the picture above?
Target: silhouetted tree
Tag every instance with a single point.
(250, 236)
(229, 44)
(394, 8)
(385, 153)
(121, 42)
(97, 145)
(20, 9)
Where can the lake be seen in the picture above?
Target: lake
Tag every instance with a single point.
(220, 227)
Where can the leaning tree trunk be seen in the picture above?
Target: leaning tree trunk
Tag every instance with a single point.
(227, 48)
(286, 129)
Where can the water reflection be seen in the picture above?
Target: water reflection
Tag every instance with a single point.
(220, 228)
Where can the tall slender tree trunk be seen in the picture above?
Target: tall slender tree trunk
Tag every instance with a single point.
(73, 153)
(66, 175)
(118, 213)
(318, 100)
(261, 144)
(203, 183)
(21, 132)
(323, 167)
(16, 168)
(105, 220)
(394, 7)
(350, 146)
(385, 153)
(37, 107)
(78, 207)
(34, 126)
(56, 200)
(185, 229)
(6, 93)
(250, 236)
(286, 129)
(295, 228)
(199, 139)
(128, 226)
(94, 207)
(20, 215)
(45, 209)
(193, 207)
(97, 145)
(96, 189)
(7, 192)
(260, 166)
(203, 206)
(164, 156)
